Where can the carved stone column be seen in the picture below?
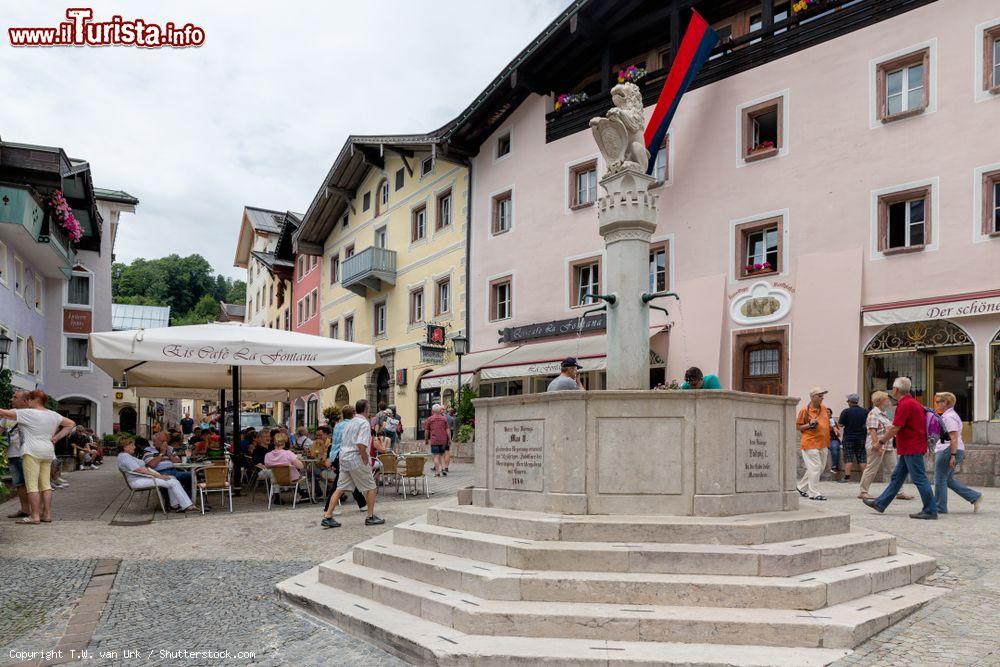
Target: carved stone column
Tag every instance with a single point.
(626, 216)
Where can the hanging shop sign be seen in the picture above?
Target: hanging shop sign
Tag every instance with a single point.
(986, 305)
(435, 334)
(431, 355)
(400, 377)
(554, 328)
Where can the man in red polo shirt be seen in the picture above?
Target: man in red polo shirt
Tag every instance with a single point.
(909, 427)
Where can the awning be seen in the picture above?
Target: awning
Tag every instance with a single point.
(939, 308)
(445, 376)
(546, 358)
(195, 394)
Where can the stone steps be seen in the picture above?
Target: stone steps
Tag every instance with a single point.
(741, 530)
(837, 626)
(773, 559)
(498, 582)
(427, 643)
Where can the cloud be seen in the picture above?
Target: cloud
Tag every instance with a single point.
(256, 115)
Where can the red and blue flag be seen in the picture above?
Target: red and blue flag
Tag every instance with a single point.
(695, 48)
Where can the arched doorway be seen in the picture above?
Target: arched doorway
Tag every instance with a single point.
(298, 413)
(937, 355)
(128, 420)
(342, 397)
(312, 413)
(80, 409)
(381, 386)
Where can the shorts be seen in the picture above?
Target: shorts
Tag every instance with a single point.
(360, 478)
(854, 452)
(36, 473)
(16, 471)
(437, 450)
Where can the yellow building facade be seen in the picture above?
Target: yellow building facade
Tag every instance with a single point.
(391, 222)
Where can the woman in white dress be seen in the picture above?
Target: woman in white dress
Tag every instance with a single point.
(141, 477)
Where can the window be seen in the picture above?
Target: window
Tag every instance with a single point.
(418, 224)
(334, 269)
(334, 330)
(764, 361)
(39, 361)
(349, 251)
(383, 197)
(904, 220)
(759, 247)
(300, 266)
(382, 237)
(443, 210)
(76, 352)
(345, 220)
(501, 299)
(503, 213)
(991, 51)
(659, 276)
(314, 302)
(417, 306)
(378, 320)
(288, 319)
(442, 303)
(661, 168)
(903, 86)
(349, 328)
(3, 263)
(586, 279)
(366, 201)
(426, 166)
(991, 203)
(400, 175)
(583, 181)
(503, 145)
(19, 285)
(78, 290)
(762, 129)
(39, 292)
(21, 358)
(301, 311)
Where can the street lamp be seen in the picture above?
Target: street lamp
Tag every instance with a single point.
(4, 349)
(461, 343)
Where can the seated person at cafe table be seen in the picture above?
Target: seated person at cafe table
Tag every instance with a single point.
(161, 457)
(141, 477)
(280, 456)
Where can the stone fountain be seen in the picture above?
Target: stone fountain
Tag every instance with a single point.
(624, 526)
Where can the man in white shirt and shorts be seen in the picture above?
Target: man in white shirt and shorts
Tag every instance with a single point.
(355, 467)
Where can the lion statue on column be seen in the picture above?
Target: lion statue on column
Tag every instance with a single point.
(620, 135)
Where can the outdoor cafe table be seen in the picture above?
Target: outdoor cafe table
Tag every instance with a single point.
(193, 467)
(311, 473)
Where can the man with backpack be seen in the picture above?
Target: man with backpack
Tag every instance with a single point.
(909, 427)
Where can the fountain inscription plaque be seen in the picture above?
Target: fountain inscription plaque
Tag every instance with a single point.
(518, 454)
(757, 456)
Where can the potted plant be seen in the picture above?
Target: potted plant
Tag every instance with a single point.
(800, 7)
(63, 214)
(569, 100)
(757, 267)
(631, 74)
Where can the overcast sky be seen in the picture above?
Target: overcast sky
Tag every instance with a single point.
(256, 115)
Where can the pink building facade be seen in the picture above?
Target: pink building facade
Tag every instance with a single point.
(306, 410)
(829, 217)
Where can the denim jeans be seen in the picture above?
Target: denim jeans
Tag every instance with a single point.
(944, 479)
(834, 454)
(912, 465)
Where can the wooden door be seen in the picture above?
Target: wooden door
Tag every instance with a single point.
(760, 361)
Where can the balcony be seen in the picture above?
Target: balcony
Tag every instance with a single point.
(368, 269)
(28, 230)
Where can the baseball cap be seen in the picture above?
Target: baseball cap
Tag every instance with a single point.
(853, 398)
(816, 390)
(570, 361)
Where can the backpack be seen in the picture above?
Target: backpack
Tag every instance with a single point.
(936, 430)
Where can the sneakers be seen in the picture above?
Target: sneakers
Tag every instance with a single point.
(376, 521)
(445, 472)
(871, 503)
(818, 498)
(329, 523)
(923, 515)
(976, 505)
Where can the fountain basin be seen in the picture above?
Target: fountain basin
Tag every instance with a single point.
(683, 453)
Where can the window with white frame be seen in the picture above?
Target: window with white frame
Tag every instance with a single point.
(19, 285)
(586, 280)
(334, 330)
(349, 328)
(382, 237)
(503, 212)
(76, 351)
(991, 59)
(583, 178)
(503, 145)
(301, 311)
(903, 85)
(21, 358)
(660, 167)
(991, 203)
(3, 263)
(39, 292)
(334, 269)
(443, 210)
(379, 319)
(315, 303)
(78, 289)
(501, 299)
(442, 302)
(762, 247)
(418, 224)
(39, 364)
(659, 276)
(759, 247)
(417, 306)
(904, 220)
(426, 166)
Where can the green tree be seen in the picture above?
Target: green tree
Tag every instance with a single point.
(237, 292)
(205, 311)
(6, 389)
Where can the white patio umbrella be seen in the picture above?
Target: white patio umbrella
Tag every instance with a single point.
(203, 356)
(196, 394)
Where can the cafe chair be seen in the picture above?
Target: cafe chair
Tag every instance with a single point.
(260, 475)
(216, 481)
(147, 489)
(412, 472)
(281, 480)
(390, 470)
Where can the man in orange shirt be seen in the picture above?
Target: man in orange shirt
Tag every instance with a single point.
(813, 422)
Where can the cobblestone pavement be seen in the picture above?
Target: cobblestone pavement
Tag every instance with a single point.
(206, 583)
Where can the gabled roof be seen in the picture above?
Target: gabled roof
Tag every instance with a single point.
(232, 312)
(117, 196)
(264, 220)
(259, 221)
(273, 263)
